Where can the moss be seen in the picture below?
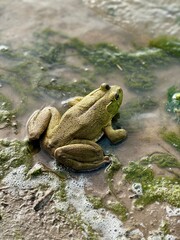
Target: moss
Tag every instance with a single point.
(50, 51)
(60, 89)
(154, 188)
(138, 173)
(115, 207)
(97, 202)
(163, 160)
(9, 54)
(13, 154)
(171, 45)
(118, 209)
(113, 168)
(173, 102)
(137, 66)
(165, 228)
(171, 91)
(5, 103)
(137, 106)
(36, 170)
(6, 110)
(140, 81)
(162, 190)
(172, 138)
(130, 110)
(75, 221)
(52, 54)
(62, 194)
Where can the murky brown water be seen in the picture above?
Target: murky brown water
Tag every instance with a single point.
(122, 23)
(149, 17)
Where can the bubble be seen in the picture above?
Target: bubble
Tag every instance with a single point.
(137, 188)
(100, 220)
(172, 212)
(17, 178)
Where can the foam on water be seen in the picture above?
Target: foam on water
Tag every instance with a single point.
(100, 220)
(172, 212)
(17, 178)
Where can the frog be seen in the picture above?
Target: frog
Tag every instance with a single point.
(71, 138)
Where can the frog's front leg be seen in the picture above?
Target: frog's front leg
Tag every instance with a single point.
(81, 155)
(115, 135)
(41, 120)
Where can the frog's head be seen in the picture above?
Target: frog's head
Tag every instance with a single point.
(113, 96)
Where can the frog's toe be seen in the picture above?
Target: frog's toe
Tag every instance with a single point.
(107, 159)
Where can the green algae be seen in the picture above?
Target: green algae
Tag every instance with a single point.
(32, 65)
(162, 190)
(75, 221)
(131, 109)
(171, 45)
(9, 53)
(162, 160)
(173, 102)
(154, 188)
(106, 58)
(172, 138)
(70, 89)
(6, 110)
(115, 207)
(138, 106)
(137, 67)
(113, 168)
(13, 154)
(35, 171)
(96, 201)
(118, 209)
(61, 193)
(138, 173)
(165, 228)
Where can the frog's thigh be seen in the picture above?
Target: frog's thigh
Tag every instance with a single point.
(40, 120)
(85, 155)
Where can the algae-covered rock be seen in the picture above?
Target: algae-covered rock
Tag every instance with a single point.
(13, 154)
(173, 103)
(162, 189)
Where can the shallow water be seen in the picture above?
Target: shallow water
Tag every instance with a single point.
(126, 24)
(150, 17)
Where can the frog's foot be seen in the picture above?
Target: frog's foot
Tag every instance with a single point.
(116, 135)
(40, 120)
(82, 156)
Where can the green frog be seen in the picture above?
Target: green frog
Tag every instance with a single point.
(71, 138)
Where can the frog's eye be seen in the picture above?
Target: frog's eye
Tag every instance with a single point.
(116, 96)
(105, 86)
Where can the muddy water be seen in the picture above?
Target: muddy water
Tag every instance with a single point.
(124, 24)
(149, 17)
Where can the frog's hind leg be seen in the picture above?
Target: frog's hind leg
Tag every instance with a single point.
(82, 155)
(40, 120)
